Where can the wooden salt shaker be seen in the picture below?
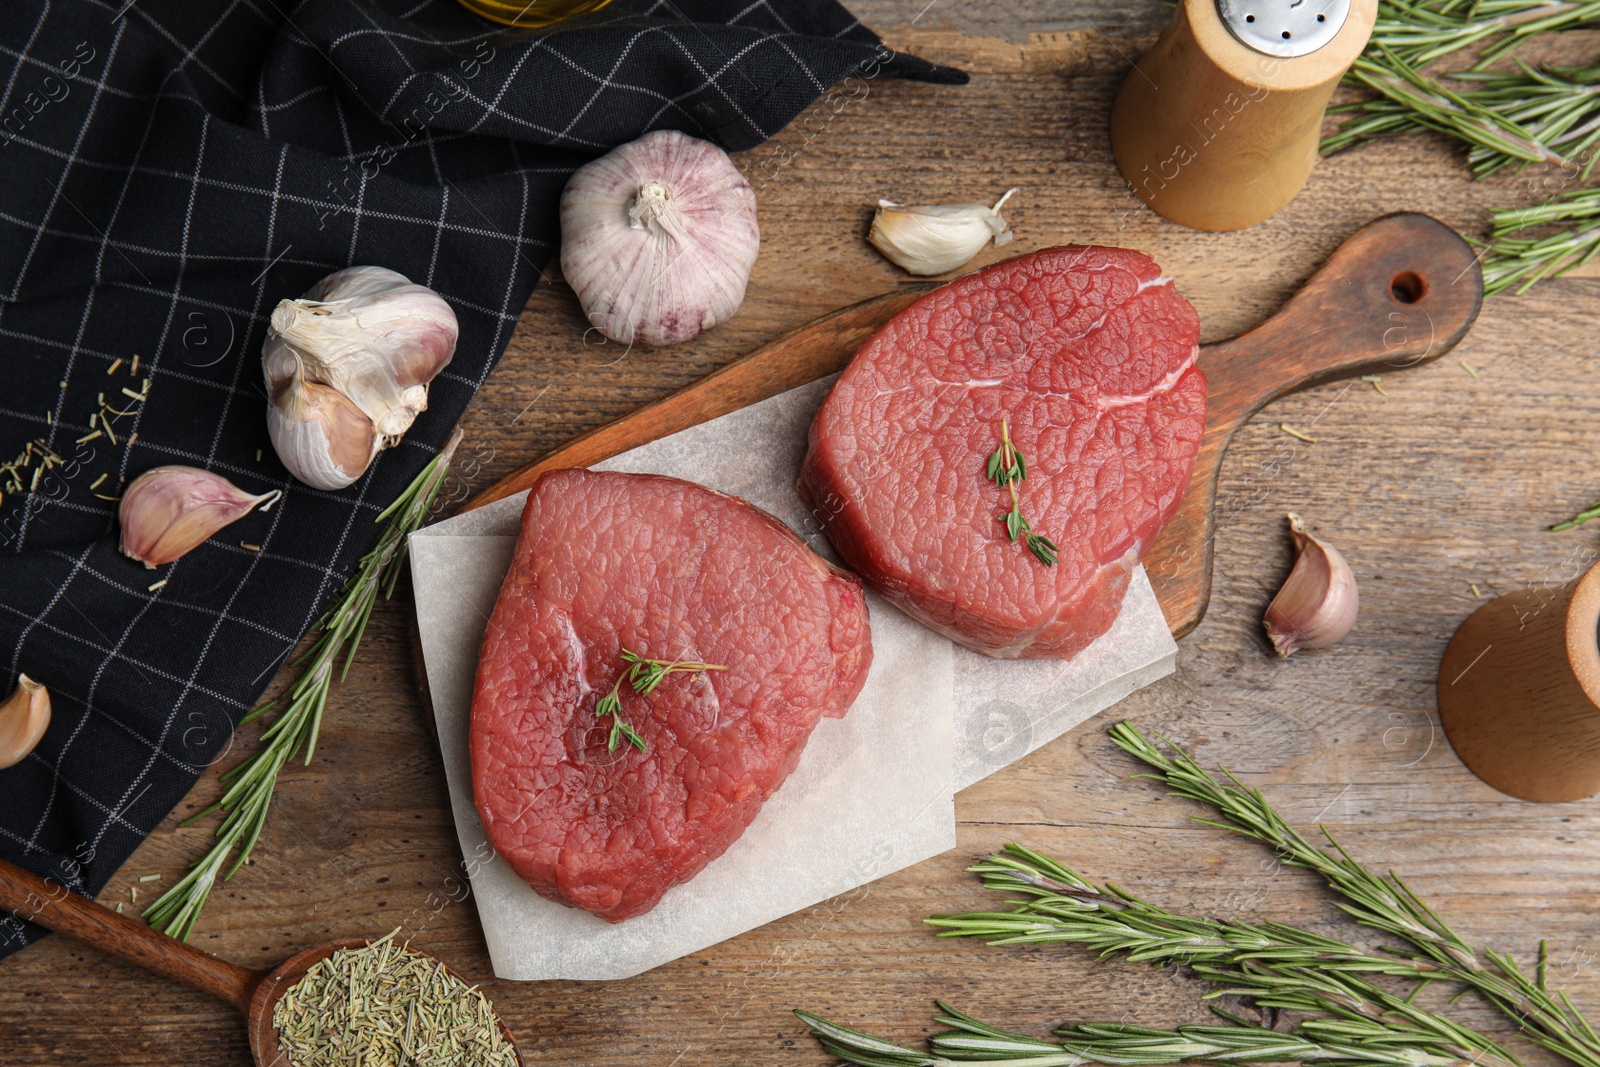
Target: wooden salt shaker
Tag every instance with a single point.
(1519, 691)
(1217, 126)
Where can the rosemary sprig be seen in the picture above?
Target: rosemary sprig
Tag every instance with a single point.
(1007, 469)
(1507, 117)
(1511, 260)
(1590, 512)
(1425, 30)
(1548, 1019)
(643, 676)
(1274, 965)
(1420, 101)
(1328, 1042)
(250, 784)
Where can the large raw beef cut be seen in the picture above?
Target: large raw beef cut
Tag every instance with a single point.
(1088, 354)
(670, 571)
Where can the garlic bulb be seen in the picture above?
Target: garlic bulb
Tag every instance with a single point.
(658, 238)
(347, 368)
(1317, 605)
(24, 717)
(167, 511)
(937, 238)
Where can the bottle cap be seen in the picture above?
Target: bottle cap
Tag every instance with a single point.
(1284, 28)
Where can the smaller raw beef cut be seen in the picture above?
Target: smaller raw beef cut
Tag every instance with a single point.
(1088, 354)
(670, 571)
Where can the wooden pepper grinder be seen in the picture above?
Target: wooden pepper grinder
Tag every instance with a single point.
(1217, 126)
(1519, 691)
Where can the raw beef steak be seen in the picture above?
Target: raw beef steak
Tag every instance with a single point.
(670, 571)
(1089, 354)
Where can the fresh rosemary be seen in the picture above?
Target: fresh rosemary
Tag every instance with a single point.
(1509, 117)
(643, 676)
(1275, 966)
(1330, 1042)
(1548, 1019)
(249, 785)
(1512, 260)
(1348, 1020)
(1008, 469)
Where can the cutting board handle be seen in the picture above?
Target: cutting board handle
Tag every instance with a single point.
(1401, 291)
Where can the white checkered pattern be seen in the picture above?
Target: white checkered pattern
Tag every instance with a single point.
(169, 170)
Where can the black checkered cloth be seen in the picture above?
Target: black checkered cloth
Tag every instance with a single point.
(169, 171)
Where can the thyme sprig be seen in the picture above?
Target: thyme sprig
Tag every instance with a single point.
(249, 785)
(1008, 469)
(1549, 1019)
(643, 676)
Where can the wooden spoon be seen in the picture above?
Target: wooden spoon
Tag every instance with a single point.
(254, 993)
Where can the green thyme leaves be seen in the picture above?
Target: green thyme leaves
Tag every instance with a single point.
(643, 677)
(1007, 469)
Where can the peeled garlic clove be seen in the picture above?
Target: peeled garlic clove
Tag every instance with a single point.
(320, 434)
(24, 718)
(167, 511)
(658, 238)
(1317, 605)
(937, 238)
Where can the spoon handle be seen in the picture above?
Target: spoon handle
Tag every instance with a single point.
(57, 908)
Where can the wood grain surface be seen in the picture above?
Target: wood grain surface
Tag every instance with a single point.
(1443, 484)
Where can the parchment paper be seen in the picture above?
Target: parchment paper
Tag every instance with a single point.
(873, 792)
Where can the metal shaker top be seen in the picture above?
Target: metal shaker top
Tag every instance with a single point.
(1284, 28)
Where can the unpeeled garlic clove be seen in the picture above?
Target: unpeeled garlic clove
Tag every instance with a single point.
(24, 717)
(1317, 605)
(374, 340)
(320, 434)
(933, 239)
(167, 511)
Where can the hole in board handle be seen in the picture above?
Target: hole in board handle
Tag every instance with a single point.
(1408, 287)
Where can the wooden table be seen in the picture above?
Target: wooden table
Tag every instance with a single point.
(1444, 484)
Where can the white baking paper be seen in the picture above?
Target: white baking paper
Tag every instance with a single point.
(872, 793)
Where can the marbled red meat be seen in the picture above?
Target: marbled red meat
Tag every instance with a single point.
(671, 571)
(1090, 354)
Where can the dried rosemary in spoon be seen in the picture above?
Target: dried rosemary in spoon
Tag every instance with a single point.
(387, 1006)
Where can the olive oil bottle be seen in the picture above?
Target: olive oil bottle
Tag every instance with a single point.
(532, 14)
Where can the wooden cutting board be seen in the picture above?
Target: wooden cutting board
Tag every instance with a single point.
(1402, 290)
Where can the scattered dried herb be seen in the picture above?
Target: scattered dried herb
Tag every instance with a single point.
(1008, 469)
(387, 1006)
(643, 675)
